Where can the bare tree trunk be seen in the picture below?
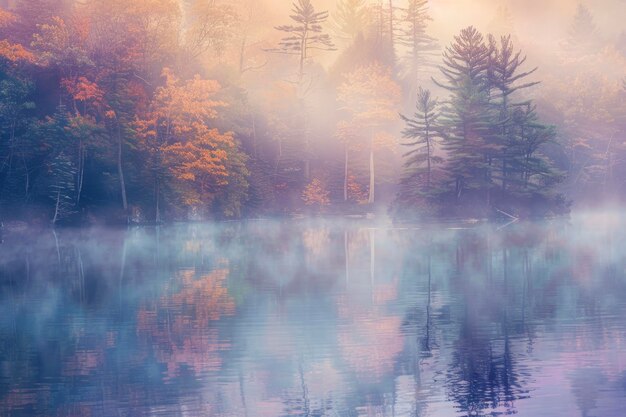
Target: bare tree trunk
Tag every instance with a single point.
(81, 171)
(346, 251)
(391, 32)
(429, 167)
(242, 53)
(254, 136)
(56, 208)
(120, 170)
(27, 174)
(372, 175)
(345, 176)
(157, 197)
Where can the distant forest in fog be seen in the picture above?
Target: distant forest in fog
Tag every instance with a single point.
(147, 111)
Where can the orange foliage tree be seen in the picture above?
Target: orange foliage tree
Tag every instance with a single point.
(315, 194)
(176, 133)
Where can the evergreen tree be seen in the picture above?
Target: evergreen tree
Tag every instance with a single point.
(420, 47)
(467, 115)
(533, 173)
(582, 33)
(305, 35)
(421, 130)
(351, 18)
(505, 77)
(384, 30)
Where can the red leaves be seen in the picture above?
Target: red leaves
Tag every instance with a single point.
(81, 89)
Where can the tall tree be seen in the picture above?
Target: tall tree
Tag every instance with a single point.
(421, 130)
(420, 47)
(582, 33)
(305, 35)
(350, 18)
(369, 97)
(467, 115)
(506, 79)
(61, 186)
(529, 172)
(197, 160)
(212, 26)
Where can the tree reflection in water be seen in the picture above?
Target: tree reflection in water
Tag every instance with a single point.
(315, 318)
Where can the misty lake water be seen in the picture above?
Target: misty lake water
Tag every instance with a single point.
(316, 317)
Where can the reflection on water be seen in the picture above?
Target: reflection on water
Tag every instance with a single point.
(316, 318)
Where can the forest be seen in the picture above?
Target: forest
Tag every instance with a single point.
(147, 111)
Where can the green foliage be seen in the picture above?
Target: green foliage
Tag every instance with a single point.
(492, 141)
(421, 130)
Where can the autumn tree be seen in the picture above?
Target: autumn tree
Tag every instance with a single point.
(16, 121)
(316, 195)
(212, 26)
(63, 46)
(369, 98)
(176, 133)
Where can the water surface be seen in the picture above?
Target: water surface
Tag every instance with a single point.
(316, 318)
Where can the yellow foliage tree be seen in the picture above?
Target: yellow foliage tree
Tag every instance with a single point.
(369, 97)
(316, 195)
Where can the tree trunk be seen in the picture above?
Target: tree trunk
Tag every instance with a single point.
(81, 171)
(345, 176)
(391, 30)
(242, 53)
(372, 177)
(120, 170)
(56, 208)
(428, 167)
(157, 197)
(303, 53)
(27, 175)
(346, 251)
(254, 137)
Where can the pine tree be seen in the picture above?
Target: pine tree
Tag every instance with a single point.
(305, 35)
(351, 18)
(467, 116)
(420, 47)
(384, 30)
(533, 172)
(582, 32)
(422, 130)
(504, 78)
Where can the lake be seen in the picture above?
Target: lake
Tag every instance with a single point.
(317, 317)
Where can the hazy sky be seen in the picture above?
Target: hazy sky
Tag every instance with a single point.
(539, 19)
(535, 20)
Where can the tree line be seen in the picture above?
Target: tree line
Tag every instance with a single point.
(153, 110)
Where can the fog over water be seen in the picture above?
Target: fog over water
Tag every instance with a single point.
(316, 317)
